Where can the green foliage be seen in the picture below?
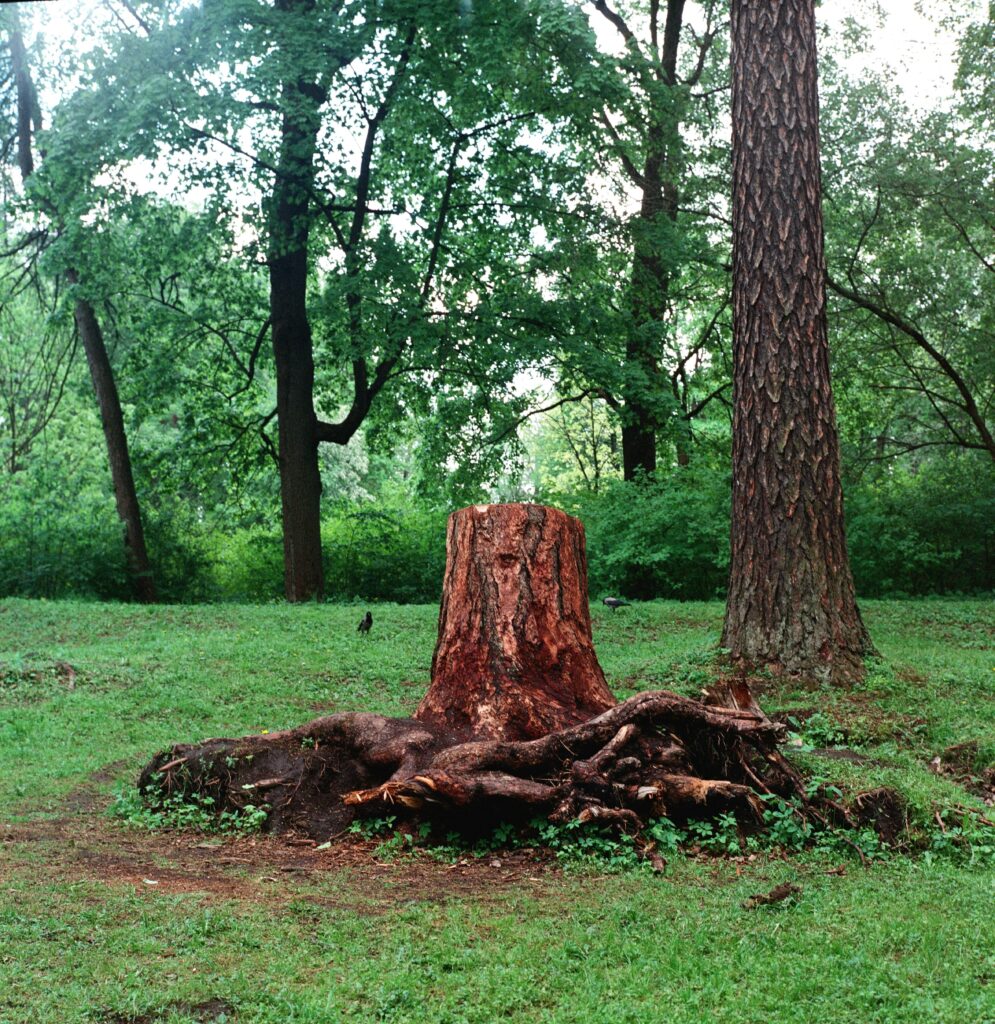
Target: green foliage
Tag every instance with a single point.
(385, 553)
(962, 838)
(194, 811)
(909, 533)
(663, 538)
(59, 532)
(371, 552)
(925, 529)
(817, 731)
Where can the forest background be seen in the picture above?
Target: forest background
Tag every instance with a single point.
(516, 244)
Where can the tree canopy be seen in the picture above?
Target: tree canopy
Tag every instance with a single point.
(382, 258)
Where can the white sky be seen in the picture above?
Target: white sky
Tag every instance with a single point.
(910, 41)
(906, 37)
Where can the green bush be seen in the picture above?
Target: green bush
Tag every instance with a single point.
(663, 538)
(249, 565)
(931, 530)
(371, 553)
(924, 532)
(59, 534)
(382, 553)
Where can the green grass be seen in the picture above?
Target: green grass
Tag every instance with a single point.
(904, 940)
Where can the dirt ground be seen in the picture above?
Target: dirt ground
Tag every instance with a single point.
(81, 842)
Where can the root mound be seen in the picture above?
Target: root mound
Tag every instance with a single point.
(657, 754)
(518, 719)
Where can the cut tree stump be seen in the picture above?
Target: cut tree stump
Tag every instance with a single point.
(514, 659)
(518, 719)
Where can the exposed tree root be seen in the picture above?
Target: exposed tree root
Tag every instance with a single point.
(655, 754)
(518, 720)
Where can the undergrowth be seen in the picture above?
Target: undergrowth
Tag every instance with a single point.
(195, 811)
(960, 837)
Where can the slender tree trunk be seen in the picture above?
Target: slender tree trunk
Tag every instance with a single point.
(651, 272)
(648, 302)
(791, 602)
(300, 478)
(125, 495)
(101, 373)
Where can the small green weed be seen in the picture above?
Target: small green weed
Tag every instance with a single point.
(961, 838)
(194, 811)
(818, 731)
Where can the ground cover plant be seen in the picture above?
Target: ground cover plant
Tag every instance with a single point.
(102, 920)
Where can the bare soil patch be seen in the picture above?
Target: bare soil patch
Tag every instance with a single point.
(960, 763)
(212, 1011)
(82, 843)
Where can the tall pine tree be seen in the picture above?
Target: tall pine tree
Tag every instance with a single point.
(791, 603)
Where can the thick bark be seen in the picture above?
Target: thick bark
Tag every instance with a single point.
(791, 603)
(125, 495)
(514, 658)
(300, 478)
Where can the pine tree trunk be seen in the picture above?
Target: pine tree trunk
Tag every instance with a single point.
(514, 658)
(125, 495)
(791, 603)
(300, 477)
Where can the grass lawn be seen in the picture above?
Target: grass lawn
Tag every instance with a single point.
(100, 922)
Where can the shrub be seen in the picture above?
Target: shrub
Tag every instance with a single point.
(663, 538)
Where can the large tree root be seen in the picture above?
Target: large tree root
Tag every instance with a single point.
(655, 754)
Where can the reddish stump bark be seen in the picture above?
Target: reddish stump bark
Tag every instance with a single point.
(514, 659)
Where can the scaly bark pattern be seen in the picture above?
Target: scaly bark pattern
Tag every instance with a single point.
(791, 603)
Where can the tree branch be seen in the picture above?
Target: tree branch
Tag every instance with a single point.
(911, 331)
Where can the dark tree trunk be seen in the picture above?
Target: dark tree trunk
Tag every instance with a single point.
(791, 602)
(651, 272)
(28, 110)
(125, 496)
(300, 478)
(514, 659)
(101, 373)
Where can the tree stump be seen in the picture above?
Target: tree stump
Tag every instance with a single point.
(518, 719)
(514, 659)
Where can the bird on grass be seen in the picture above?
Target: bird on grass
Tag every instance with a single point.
(365, 623)
(615, 602)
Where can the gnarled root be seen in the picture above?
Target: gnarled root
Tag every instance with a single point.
(652, 755)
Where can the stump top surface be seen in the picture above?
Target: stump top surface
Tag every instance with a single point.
(509, 507)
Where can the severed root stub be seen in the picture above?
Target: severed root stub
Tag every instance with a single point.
(518, 720)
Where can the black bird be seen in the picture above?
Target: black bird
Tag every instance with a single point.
(615, 602)
(365, 623)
